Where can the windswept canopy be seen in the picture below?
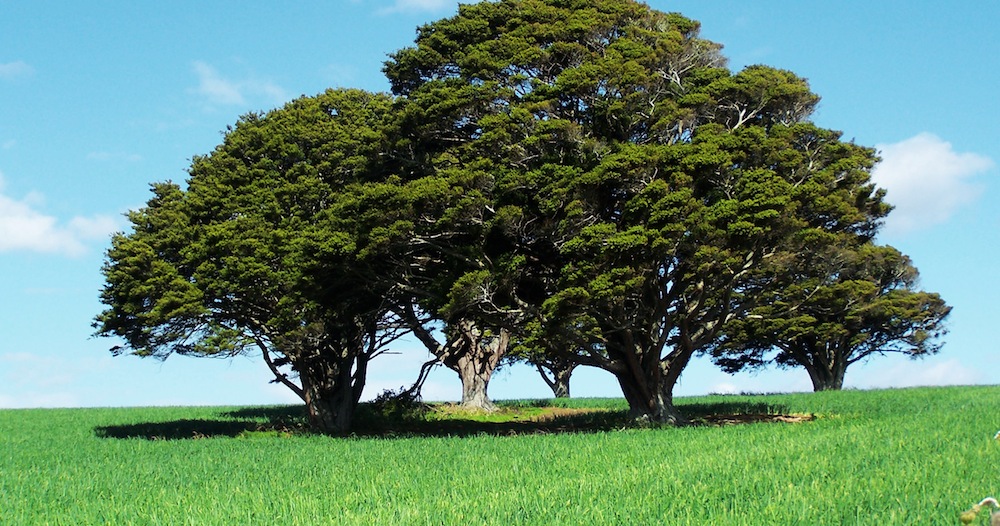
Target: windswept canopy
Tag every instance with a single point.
(254, 256)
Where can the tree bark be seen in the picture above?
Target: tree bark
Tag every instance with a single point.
(824, 379)
(651, 403)
(475, 360)
(475, 375)
(330, 393)
(469, 352)
(649, 390)
(560, 387)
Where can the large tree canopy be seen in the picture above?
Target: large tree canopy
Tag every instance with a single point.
(636, 181)
(253, 254)
(585, 182)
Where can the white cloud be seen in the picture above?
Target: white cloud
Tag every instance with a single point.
(726, 388)
(31, 369)
(413, 6)
(37, 379)
(95, 227)
(927, 181)
(764, 381)
(217, 89)
(24, 228)
(33, 399)
(12, 70)
(902, 372)
(32, 380)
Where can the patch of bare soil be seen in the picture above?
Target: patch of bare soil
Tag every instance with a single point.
(735, 419)
(532, 414)
(554, 413)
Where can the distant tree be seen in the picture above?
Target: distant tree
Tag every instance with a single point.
(254, 256)
(552, 356)
(556, 371)
(829, 307)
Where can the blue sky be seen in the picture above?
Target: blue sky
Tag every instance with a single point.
(99, 99)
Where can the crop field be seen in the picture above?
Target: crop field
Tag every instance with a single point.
(911, 456)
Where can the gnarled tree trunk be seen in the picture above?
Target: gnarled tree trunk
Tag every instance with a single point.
(475, 357)
(826, 379)
(331, 392)
(649, 389)
(475, 373)
(470, 351)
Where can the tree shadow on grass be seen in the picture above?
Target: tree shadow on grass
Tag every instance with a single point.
(240, 422)
(273, 414)
(739, 412)
(432, 421)
(508, 422)
(540, 418)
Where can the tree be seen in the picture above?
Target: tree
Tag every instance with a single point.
(556, 370)
(635, 183)
(555, 358)
(487, 87)
(831, 307)
(432, 229)
(253, 254)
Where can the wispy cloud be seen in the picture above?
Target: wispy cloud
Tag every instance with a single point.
(35, 379)
(927, 181)
(215, 88)
(13, 70)
(114, 157)
(341, 75)
(901, 372)
(220, 90)
(24, 228)
(415, 6)
(37, 370)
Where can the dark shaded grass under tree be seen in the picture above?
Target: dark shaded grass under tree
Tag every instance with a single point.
(514, 418)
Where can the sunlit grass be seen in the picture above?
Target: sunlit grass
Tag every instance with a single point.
(914, 456)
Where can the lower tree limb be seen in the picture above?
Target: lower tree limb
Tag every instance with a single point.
(413, 392)
(278, 375)
(282, 377)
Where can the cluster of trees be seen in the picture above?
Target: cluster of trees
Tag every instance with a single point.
(564, 182)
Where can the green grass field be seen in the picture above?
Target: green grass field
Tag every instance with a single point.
(913, 456)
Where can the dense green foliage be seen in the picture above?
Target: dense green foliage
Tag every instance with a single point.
(914, 456)
(828, 308)
(584, 183)
(636, 183)
(261, 252)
